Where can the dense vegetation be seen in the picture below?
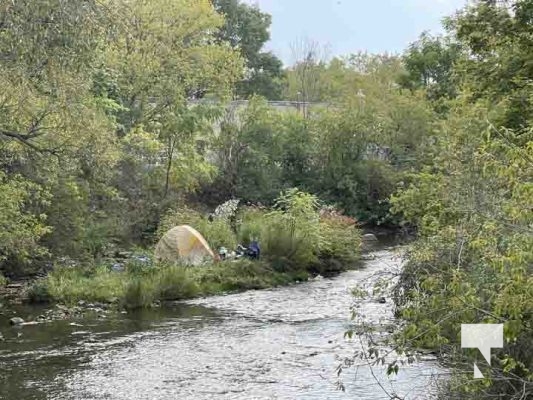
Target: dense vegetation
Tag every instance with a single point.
(298, 240)
(472, 203)
(115, 112)
(115, 124)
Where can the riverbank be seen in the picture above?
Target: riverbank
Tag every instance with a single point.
(298, 240)
(76, 294)
(146, 285)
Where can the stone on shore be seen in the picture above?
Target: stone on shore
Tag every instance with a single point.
(16, 321)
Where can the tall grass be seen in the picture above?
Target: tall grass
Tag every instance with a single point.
(72, 284)
(160, 283)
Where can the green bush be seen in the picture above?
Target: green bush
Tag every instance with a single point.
(176, 283)
(251, 221)
(3, 280)
(341, 238)
(295, 241)
(39, 292)
(140, 292)
(217, 233)
(292, 230)
(178, 216)
(295, 234)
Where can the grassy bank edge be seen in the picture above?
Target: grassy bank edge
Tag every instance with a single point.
(143, 287)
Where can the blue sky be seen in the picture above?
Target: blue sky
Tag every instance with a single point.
(348, 26)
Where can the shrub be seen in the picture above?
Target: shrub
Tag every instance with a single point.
(295, 239)
(175, 283)
(38, 292)
(341, 238)
(178, 216)
(3, 280)
(140, 292)
(20, 230)
(295, 234)
(292, 230)
(251, 221)
(217, 233)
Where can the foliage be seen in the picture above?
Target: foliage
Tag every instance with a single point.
(297, 234)
(472, 206)
(293, 228)
(251, 221)
(20, 230)
(176, 284)
(140, 292)
(341, 238)
(96, 136)
(38, 292)
(351, 153)
(498, 38)
(248, 151)
(295, 239)
(246, 29)
(429, 64)
(109, 118)
(3, 280)
(68, 284)
(142, 288)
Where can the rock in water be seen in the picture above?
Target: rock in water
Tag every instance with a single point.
(369, 237)
(16, 321)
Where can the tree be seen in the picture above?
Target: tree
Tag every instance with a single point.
(471, 202)
(246, 29)
(429, 65)
(248, 151)
(51, 130)
(498, 38)
(20, 229)
(305, 83)
(94, 115)
(165, 59)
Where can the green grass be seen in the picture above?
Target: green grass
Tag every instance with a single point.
(70, 285)
(141, 288)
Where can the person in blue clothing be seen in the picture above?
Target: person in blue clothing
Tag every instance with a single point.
(254, 251)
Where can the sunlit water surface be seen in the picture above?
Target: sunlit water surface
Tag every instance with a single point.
(283, 343)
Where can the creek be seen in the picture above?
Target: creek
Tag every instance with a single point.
(281, 343)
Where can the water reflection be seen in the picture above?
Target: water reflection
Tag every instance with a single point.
(283, 343)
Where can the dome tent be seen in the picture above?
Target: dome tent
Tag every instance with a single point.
(184, 244)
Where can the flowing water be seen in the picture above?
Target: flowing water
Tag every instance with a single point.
(283, 343)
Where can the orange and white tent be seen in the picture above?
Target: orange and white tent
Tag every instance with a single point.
(183, 244)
